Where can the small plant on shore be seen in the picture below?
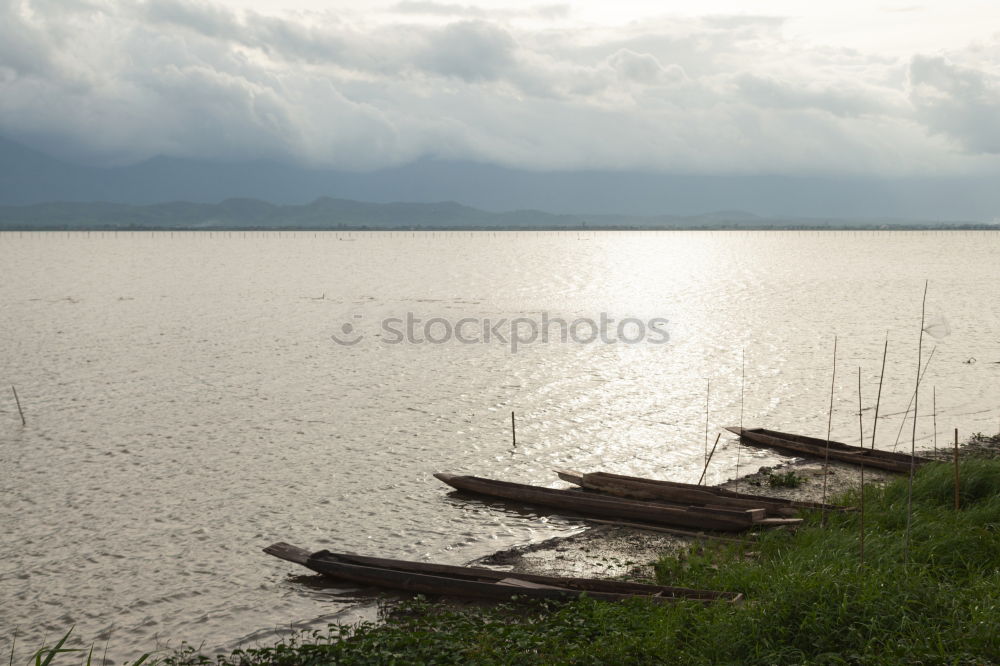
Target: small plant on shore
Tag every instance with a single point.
(787, 480)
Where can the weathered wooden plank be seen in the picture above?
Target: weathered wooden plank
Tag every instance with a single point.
(643, 489)
(668, 530)
(475, 582)
(482, 573)
(520, 582)
(286, 551)
(775, 522)
(721, 492)
(607, 507)
(813, 446)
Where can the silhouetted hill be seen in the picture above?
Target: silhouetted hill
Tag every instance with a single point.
(328, 213)
(251, 213)
(29, 177)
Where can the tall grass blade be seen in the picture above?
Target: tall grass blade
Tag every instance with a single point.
(50, 653)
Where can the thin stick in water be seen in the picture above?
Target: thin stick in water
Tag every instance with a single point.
(513, 431)
(956, 470)
(913, 395)
(878, 400)
(18, 401)
(829, 427)
(13, 643)
(913, 442)
(709, 458)
(708, 390)
(861, 431)
(739, 441)
(934, 411)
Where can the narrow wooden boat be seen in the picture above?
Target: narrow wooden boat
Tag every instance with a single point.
(675, 492)
(816, 447)
(480, 583)
(707, 518)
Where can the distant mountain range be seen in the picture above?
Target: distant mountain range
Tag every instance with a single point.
(484, 193)
(327, 213)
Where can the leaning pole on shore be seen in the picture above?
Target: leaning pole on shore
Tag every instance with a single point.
(829, 427)
(861, 439)
(878, 399)
(913, 441)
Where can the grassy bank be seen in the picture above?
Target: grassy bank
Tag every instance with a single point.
(808, 599)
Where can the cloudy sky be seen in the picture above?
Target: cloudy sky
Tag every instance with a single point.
(718, 86)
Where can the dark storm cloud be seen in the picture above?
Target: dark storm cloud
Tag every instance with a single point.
(209, 20)
(843, 98)
(959, 102)
(24, 49)
(113, 82)
(450, 9)
(470, 50)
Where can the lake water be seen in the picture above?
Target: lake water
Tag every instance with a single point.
(187, 403)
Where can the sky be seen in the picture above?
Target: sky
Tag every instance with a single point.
(858, 89)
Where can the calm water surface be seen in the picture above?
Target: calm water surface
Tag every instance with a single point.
(187, 404)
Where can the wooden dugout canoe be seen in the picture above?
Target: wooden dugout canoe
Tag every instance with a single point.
(721, 519)
(816, 447)
(480, 583)
(675, 492)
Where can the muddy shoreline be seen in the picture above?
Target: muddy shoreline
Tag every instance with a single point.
(606, 550)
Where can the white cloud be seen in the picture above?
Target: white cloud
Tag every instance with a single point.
(643, 68)
(453, 10)
(120, 81)
(959, 102)
(469, 50)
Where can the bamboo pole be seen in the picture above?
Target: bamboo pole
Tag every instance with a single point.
(913, 442)
(861, 433)
(927, 364)
(513, 431)
(739, 440)
(957, 503)
(704, 471)
(708, 391)
(829, 426)
(934, 412)
(878, 400)
(18, 401)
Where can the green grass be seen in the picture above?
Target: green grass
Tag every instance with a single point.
(808, 599)
(811, 601)
(46, 655)
(787, 480)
